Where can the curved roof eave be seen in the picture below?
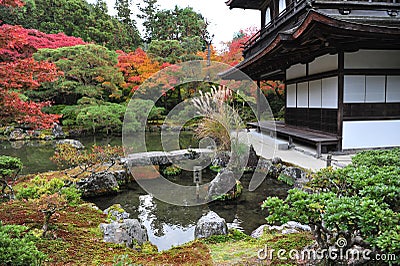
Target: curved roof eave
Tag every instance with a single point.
(312, 17)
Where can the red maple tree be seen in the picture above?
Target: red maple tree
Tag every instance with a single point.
(233, 52)
(20, 72)
(20, 75)
(11, 3)
(17, 42)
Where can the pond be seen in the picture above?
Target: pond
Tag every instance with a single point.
(35, 154)
(167, 225)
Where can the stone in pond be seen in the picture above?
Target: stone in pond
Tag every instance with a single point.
(221, 184)
(209, 225)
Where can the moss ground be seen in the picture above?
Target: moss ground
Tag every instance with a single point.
(75, 239)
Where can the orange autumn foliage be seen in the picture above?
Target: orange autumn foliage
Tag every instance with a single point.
(137, 67)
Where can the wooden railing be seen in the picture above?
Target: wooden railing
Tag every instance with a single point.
(288, 12)
(296, 6)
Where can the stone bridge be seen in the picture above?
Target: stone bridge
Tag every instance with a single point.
(163, 157)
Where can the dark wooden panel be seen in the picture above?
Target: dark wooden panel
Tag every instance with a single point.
(315, 118)
(371, 111)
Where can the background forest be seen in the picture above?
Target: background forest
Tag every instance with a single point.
(69, 61)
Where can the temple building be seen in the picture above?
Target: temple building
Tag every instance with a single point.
(340, 61)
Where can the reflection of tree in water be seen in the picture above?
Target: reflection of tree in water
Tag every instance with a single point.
(147, 214)
(159, 215)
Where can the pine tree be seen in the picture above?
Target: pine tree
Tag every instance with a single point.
(124, 12)
(149, 16)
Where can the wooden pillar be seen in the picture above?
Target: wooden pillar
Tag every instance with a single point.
(263, 21)
(274, 8)
(340, 99)
(258, 105)
(271, 10)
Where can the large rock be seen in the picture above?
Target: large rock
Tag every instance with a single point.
(221, 184)
(73, 142)
(129, 232)
(209, 225)
(290, 227)
(98, 184)
(253, 158)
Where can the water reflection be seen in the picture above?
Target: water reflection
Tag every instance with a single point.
(162, 231)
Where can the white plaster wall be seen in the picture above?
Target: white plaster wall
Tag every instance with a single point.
(375, 89)
(291, 95)
(323, 64)
(330, 92)
(393, 89)
(315, 93)
(354, 89)
(296, 71)
(302, 95)
(366, 59)
(371, 134)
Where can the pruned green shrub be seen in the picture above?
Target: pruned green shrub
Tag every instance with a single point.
(359, 203)
(18, 247)
(39, 187)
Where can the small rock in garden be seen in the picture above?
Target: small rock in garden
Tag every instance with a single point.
(253, 158)
(17, 134)
(73, 142)
(290, 227)
(289, 231)
(58, 131)
(276, 160)
(294, 172)
(298, 226)
(209, 225)
(116, 213)
(259, 231)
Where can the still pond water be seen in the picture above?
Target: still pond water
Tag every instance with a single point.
(167, 225)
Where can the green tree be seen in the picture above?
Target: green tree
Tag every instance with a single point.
(148, 11)
(89, 70)
(106, 117)
(124, 16)
(9, 169)
(166, 51)
(175, 35)
(124, 12)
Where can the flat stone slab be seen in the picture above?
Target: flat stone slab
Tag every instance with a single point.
(163, 158)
